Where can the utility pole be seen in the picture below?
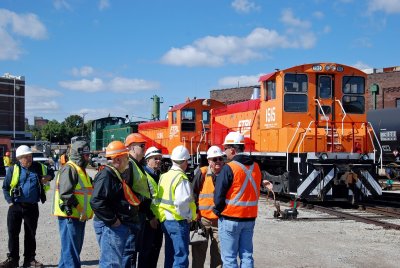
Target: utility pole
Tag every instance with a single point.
(83, 122)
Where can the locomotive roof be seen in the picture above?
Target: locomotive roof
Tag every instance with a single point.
(191, 102)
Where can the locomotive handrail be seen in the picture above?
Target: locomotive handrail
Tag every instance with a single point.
(287, 149)
(377, 140)
(203, 134)
(325, 117)
(298, 147)
(345, 114)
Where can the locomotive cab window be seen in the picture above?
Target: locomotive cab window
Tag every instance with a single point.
(206, 117)
(188, 118)
(270, 90)
(174, 118)
(353, 88)
(325, 87)
(295, 99)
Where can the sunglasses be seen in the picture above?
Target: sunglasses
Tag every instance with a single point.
(227, 147)
(157, 158)
(215, 159)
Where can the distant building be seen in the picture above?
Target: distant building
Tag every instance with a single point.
(39, 121)
(12, 108)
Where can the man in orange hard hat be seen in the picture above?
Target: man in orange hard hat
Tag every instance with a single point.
(136, 145)
(115, 206)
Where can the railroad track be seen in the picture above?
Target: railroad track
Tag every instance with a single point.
(377, 218)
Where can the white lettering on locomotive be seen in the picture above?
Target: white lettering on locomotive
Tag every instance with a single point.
(244, 127)
(173, 132)
(270, 115)
(160, 135)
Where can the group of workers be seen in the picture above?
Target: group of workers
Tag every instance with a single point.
(133, 205)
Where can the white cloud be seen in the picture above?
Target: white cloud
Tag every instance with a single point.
(40, 101)
(13, 24)
(121, 84)
(94, 85)
(219, 50)
(387, 6)
(117, 84)
(361, 65)
(82, 71)
(239, 81)
(244, 6)
(61, 4)
(318, 15)
(104, 4)
(289, 19)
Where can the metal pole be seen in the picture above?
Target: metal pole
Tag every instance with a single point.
(14, 119)
(83, 122)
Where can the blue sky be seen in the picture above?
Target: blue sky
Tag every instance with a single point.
(100, 57)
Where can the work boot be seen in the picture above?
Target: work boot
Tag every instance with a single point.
(32, 263)
(9, 263)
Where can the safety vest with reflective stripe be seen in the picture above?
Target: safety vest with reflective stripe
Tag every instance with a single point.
(82, 192)
(153, 191)
(206, 195)
(166, 195)
(129, 195)
(139, 180)
(15, 177)
(242, 197)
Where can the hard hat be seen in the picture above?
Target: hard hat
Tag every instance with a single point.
(134, 138)
(214, 151)
(152, 151)
(234, 138)
(23, 150)
(180, 153)
(116, 148)
(80, 148)
(7, 153)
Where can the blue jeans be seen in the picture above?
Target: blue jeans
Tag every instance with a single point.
(72, 233)
(176, 243)
(129, 256)
(112, 242)
(236, 238)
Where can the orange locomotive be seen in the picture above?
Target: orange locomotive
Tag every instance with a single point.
(188, 124)
(308, 131)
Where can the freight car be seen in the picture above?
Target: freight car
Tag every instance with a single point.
(309, 132)
(387, 127)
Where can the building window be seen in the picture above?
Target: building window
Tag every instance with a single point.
(397, 103)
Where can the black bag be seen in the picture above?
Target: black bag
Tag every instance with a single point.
(197, 233)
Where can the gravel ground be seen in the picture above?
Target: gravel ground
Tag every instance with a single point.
(277, 243)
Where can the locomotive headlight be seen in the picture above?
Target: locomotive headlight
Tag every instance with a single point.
(323, 156)
(317, 68)
(327, 68)
(333, 68)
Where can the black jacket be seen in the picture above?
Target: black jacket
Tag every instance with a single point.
(108, 201)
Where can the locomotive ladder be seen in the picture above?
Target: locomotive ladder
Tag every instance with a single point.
(332, 138)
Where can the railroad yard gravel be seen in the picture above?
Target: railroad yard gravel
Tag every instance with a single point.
(277, 243)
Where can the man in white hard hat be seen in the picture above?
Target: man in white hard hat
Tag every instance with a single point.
(23, 188)
(176, 209)
(203, 190)
(236, 194)
(151, 245)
